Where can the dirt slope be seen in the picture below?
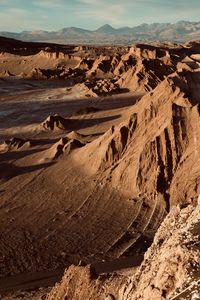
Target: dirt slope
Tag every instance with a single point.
(170, 269)
(131, 172)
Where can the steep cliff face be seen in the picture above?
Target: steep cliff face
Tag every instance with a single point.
(171, 268)
(153, 149)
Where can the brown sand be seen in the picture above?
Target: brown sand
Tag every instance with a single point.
(93, 186)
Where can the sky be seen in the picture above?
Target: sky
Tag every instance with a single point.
(20, 15)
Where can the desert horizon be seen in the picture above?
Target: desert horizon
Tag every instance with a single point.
(180, 32)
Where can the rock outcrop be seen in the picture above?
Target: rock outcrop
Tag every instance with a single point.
(55, 122)
(170, 270)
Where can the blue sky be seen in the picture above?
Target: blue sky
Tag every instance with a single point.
(19, 15)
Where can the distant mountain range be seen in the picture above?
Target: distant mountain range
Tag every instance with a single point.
(181, 31)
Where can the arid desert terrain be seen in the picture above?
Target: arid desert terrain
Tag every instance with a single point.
(99, 171)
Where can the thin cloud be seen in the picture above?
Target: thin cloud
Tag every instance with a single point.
(18, 19)
(101, 11)
(48, 4)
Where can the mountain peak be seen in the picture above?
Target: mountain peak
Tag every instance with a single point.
(106, 29)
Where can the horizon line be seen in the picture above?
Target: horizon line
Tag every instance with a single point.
(106, 24)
